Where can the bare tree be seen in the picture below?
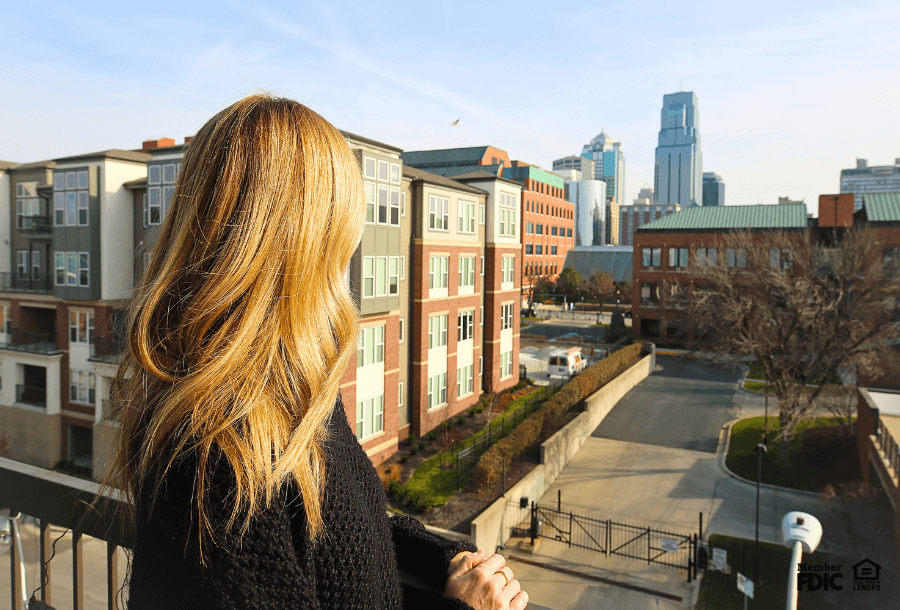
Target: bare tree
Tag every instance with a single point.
(599, 286)
(537, 284)
(806, 309)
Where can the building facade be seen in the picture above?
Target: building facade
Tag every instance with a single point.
(581, 164)
(449, 162)
(713, 189)
(589, 199)
(678, 175)
(609, 165)
(633, 217)
(866, 179)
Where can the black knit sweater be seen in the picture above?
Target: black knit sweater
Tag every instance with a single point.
(354, 564)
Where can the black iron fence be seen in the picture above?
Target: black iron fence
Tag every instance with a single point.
(35, 224)
(467, 456)
(613, 538)
(30, 282)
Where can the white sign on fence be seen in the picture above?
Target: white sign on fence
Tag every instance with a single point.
(745, 585)
(719, 559)
(668, 545)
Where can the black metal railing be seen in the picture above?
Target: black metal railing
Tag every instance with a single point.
(60, 500)
(35, 224)
(29, 282)
(470, 451)
(30, 341)
(31, 395)
(108, 348)
(614, 538)
(889, 446)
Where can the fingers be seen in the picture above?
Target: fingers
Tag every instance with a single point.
(519, 602)
(491, 565)
(505, 576)
(466, 564)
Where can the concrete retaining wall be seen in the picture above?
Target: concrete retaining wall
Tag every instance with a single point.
(493, 526)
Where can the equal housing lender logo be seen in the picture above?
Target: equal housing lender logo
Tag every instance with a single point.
(830, 577)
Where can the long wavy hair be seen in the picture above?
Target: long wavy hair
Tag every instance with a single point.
(242, 324)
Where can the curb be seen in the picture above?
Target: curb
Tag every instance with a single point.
(722, 458)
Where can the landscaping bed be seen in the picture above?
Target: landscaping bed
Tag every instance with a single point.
(718, 590)
(822, 454)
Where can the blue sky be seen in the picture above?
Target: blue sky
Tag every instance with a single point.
(789, 92)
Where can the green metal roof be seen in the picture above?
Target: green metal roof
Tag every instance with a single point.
(534, 173)
(882, 207)
(447, 156)
(459, 170)
(615, 261)
(789, 216)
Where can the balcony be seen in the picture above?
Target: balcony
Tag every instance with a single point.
(64, 501)
(30, 341)
(108, 349)
(35, 224)
(41, 283)
(31, 395)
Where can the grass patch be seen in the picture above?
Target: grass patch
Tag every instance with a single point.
(757, 372)
(432, 482)
(718, 591)
(529, 319)
(760, 388)
(821, 454)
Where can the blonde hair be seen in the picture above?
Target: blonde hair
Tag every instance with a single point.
(242, 324)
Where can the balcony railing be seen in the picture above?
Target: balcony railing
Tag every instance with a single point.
(64, 501)
(35, 224)
(889, 447)
(30, 341)
(31, 395)
(31, 282)
(109, 348)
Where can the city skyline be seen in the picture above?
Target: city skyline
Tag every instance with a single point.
(768, 81)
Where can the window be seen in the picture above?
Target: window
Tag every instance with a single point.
(539, 249)
(81, 386)
(393, 275)
(569, 232)
(60, 268)
(506, 316)
(482, 265)
(370, 417)
(395, 173)
(780, 258)
(368, 276)
(36, 265)
(403, 204)
(22, 264)
(26, 208)
(402, 330)
(649, 293)
(553, 250)
(652, 257)
(466, 220)
(395, 206)
(539, 229)
(81, 326)
(553, 231)
(400, 394)
(370, 201)
(505, 364)
(481, 214)
(82, 209)
(59, 209)
(466, 271)
(706, 257)
(381, 279)
(465, 381)
(465, 325)
(678, 257)
(439, 270)
(437, 331)
(72, 269)
(146, 211)
(383, 170)
(481, 315)
(508, 265)
(437, 390)
(4, 322)
(529, 248)
(382, 204)
(888, 259)
(529, 228)
(481, 366)
(403, 267)
(370, 347)
(438, 213)
(737, 257)
(368, 167)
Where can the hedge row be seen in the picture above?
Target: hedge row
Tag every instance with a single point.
(490, 467)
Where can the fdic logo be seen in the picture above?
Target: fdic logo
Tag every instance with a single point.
(819, 576)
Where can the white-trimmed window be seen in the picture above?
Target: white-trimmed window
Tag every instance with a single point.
(81, 326)
(437, 331)
(482, 265)
(678, 257)
(403, 204)
(438, 213)
(481, 315)
(466, 271)
(481, 366)
(72, 268)
(59, 209)
(395, 173)
(394, 275)
(370, 201)
(26, 208)
(82, 208)
(22, 264)
(508, 267)
(370, 347)
(146, 210)
(737, 257)
(383, 171)
(706, 257)
(169, 173)
(505, 364)
(84, 269)
(437, 390)
(652, 257)
(381, 279)
(508, 215)
(382, 204)
(368, 276)
(465, 325)
(400, 394)
(481, 214)
(438, 272)
(4, 321)
(81, 386)
(35, 265)
(369, 417)
(465, 381)
(161, 178)
(506, 316)
(154, 174)
(395, 206)
(369, 167)
(402, 329)
(402, 267)
(466, 217)
(154, 205)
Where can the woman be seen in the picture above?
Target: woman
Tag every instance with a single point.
(250, 489)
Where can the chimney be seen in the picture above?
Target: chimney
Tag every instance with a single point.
(149, 145)
(861, 164)
(836, 210)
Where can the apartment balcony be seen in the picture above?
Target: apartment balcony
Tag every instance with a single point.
(41, 283)
(35, 224)
(30, 341)
(108, 349)
(63, 501)
(31, 395)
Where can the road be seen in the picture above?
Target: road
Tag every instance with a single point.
(682, 405)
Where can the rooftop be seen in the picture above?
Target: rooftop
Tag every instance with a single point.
(446, 156)
(436, 179)
(792, 216)
(113, 153)
(353, 136)
(615, 261)
(882, 207)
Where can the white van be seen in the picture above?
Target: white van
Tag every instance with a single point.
(566, 363)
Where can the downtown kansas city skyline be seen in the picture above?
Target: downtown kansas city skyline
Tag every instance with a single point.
(788, 93)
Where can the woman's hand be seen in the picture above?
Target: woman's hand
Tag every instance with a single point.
(484, 584)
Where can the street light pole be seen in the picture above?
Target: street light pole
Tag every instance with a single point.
(760, 449)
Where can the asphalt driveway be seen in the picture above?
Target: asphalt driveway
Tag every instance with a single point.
(682, 405)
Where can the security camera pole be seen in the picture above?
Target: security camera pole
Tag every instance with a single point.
(760, 449)
(802, 532)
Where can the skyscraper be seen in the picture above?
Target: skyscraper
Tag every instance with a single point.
(870, 179)
(679, 161)
(589, 197)
(609, 165)
(713, 189)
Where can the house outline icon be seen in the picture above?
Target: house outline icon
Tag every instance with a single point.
(865, 572)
